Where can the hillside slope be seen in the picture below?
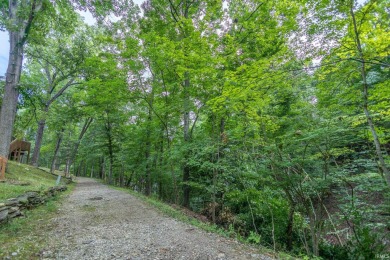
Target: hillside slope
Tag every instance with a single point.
(22, 177)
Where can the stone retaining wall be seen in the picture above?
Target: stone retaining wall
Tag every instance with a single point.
(12, 208)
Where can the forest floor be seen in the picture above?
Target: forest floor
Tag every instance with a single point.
(98, 222)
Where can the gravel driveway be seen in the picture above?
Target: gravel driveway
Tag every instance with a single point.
(97, 222)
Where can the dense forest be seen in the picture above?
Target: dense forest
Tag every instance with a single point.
(271, 118)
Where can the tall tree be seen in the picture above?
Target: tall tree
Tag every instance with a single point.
(60, 61)
(361, 57)
(18, 18)
(183, 27)
(358, 56)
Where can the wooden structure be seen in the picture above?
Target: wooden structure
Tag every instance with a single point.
(18, 149)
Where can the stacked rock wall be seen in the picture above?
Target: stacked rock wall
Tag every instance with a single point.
(12, 208)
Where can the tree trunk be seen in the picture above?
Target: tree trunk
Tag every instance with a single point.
(289, 231)
(101, 172)
(79, 169)
(17, 40)
(122, 176)
(38, 142)
(57, 149)
(10, 99)
(73, 153)
(186, 118)
(314, 234)
(129, 180)
(148, 183)
(85, 172)
(110, 169)
(160, 166)
(370, 122)
(214, 197)
(110, 147)
(67, 168)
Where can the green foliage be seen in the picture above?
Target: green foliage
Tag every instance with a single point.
(254, 238)
(254, 107)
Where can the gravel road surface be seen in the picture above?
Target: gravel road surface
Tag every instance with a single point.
(98, 222)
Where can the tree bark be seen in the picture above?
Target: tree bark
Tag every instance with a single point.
(79, 169)
(111, 165)
(67, 168)
(85, 169)
(56, 150)
(160, 165)
(289, 230)
(186, 118)
(122, 176)
(101, 172)
(38, 143)
(110, 140)
(73, 153)
(10, 100)
(148, 184)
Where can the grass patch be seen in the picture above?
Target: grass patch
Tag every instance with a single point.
(56, 172)
(22, 177)
(89, 208)
(27, 236)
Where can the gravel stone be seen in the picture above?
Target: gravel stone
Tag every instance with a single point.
(124, 227)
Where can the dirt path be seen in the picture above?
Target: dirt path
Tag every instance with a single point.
(97, 222)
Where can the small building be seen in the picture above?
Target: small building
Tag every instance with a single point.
(19, 151)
